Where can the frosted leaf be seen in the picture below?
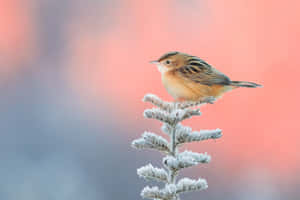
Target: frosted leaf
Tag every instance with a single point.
(182, 114)
(174, 117)
(166, 128)
(187, 185)
(149, 172)
(151, 98)
(155, 193)
(184, 134)
(177, 164)
(151, 141)
(190, 104)
(196, 157)
(170, 106)
(161, 115)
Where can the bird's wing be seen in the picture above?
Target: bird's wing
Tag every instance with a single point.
(200, 72)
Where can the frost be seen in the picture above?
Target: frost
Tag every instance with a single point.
(170, 106)
(174, 117)
(188, 185)
(151, 141)
(149, 172)
(177, 164)
(155, 193)
(196, 157)
(185, 134)
(172, 114)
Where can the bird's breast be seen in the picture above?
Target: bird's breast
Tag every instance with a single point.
(176, 87)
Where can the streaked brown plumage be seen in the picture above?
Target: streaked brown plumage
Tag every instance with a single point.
(187, 77)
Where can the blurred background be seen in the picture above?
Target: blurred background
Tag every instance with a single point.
(73, 73)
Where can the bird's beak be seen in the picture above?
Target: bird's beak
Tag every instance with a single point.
(154, 62)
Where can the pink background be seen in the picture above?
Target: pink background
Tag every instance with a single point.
(73, 73)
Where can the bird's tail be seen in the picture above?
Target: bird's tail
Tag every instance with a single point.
(245, 84)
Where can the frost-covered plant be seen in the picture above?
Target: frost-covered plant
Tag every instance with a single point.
(171, 114)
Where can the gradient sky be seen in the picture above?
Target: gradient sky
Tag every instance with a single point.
(92, 59)
(247, 40)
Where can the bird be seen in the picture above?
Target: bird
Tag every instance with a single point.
(189, 78)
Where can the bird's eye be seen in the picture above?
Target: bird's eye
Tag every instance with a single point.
(168, 62)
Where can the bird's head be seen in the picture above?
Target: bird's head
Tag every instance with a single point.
(170, 60)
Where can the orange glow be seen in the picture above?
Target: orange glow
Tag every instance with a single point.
(247, 40)
(16, 41)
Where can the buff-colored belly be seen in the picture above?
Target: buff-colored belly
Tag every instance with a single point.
(180, 88)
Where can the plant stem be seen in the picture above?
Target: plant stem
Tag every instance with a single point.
(173, 173)
(173, 141)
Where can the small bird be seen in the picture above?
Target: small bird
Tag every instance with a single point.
(189, 78)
